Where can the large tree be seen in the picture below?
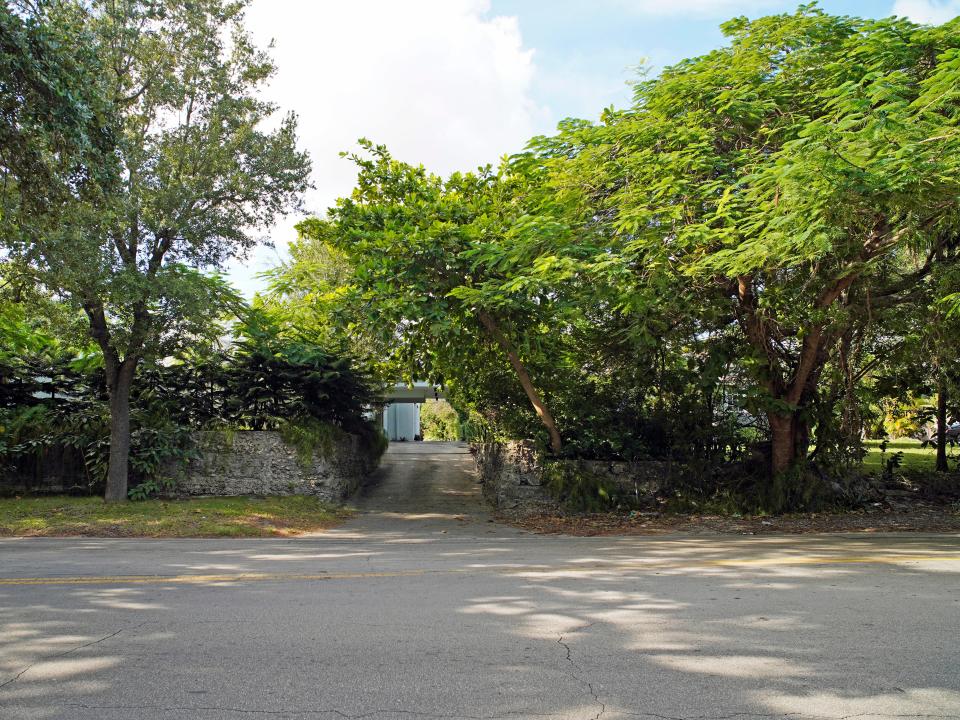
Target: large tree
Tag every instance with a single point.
(787, 183)
(441, 271)
(198, 177)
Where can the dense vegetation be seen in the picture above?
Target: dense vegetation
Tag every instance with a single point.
(739, 271)
(134, 164)
(748, 271)
(439, 421)
(133, 174)
(54, 401)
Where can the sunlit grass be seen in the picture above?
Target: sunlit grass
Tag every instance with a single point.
(915, 458)
(200, 517)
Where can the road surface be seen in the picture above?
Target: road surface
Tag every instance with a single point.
(421, 607)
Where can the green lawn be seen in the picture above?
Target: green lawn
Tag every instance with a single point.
(200, 517)
(915, 459)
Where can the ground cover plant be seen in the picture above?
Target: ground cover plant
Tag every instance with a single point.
(914, 457)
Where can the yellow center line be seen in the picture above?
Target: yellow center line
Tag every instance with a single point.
(567, 569)
(202, 579)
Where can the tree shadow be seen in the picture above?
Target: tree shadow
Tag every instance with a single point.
(685, 627)
(856, 630)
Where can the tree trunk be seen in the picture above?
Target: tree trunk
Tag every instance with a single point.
(120, 382)
(556, 444)
(942, 426)
(783, 438)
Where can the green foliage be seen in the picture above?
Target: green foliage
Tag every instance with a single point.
(197, 517)
(188, 180)
(906, 464)
(891, 465)
(738, 273)
(439, 421)
(52, 400)
(270, 377)
(195, 190)
(308, 296)
(579, 490)
(74, 421)
(55, 130)
(377, 441)
(477, 429)
(438, 275)
(160, 449)
(310, 437)
(151, 487)
(776, 195)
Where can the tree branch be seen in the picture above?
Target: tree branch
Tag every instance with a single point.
(756, 331)
(100, 332)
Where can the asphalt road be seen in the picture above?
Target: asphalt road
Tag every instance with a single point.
(423, 608)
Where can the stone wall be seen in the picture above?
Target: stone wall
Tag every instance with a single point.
(255, 462)
(637, 484)
(511, 475)
(515, 479)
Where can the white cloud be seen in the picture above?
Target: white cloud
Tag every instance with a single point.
(694, 8)
(440, 82)
(931, 12)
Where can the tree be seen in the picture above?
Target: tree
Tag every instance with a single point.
(725, 261)
(788, 183)
(307, 297)
(439, 269)
(271, 377)
(198, 177)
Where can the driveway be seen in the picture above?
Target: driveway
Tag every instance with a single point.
(421, 607)
(426, 488)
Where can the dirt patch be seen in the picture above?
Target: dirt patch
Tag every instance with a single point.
(918, 517)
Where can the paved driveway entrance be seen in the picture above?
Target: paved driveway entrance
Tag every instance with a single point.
(427, 488)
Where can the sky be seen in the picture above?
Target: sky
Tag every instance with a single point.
(456, 84)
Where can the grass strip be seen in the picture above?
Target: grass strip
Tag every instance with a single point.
(196, 517)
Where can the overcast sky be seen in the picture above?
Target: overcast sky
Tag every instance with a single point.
(455, 84)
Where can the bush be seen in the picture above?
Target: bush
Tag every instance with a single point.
(266, 381)
(439, 421)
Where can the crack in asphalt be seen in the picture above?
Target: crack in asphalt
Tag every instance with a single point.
(67, 652)
(575, 676)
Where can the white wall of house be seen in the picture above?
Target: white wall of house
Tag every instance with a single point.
(401, 421)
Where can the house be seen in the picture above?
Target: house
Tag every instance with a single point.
(401, 413)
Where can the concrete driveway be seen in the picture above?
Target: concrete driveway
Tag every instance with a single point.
(422, 608)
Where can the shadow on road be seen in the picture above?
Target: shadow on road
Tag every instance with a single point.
(412, 614)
